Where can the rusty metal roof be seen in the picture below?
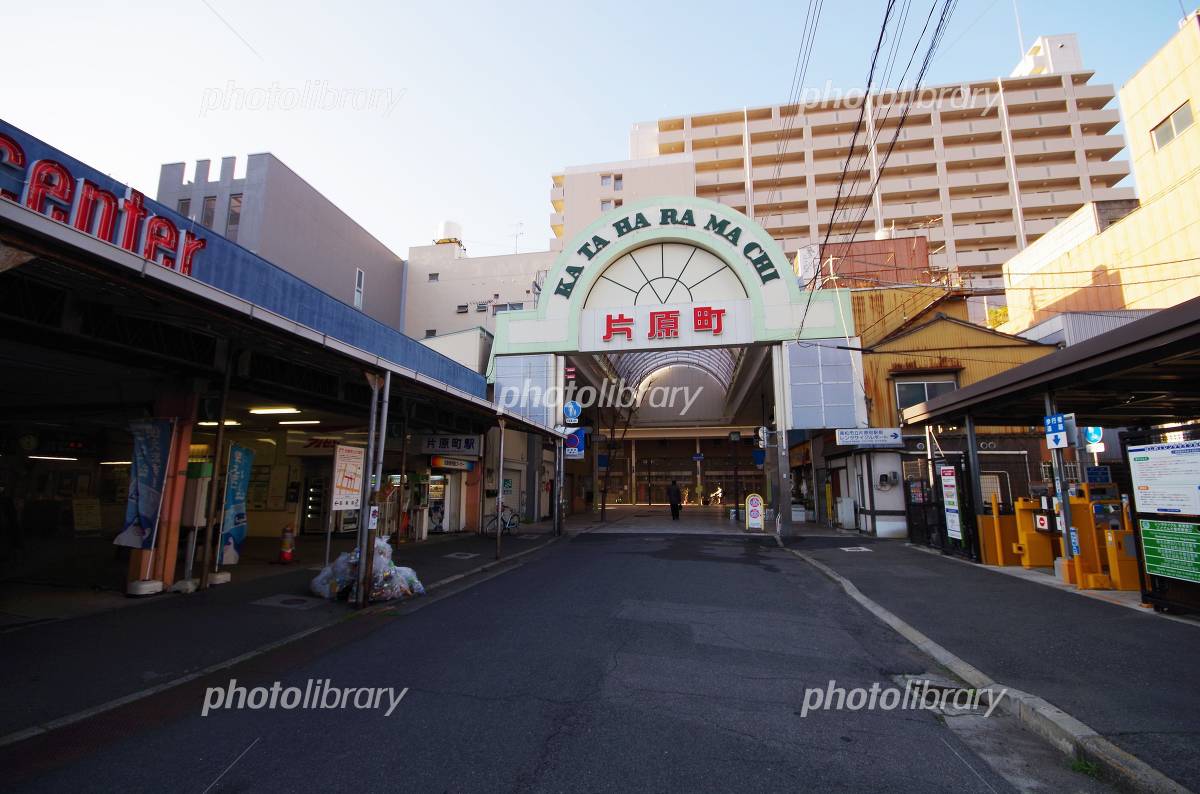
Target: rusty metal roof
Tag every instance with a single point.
(1145, 373)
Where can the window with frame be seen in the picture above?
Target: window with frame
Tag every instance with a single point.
(618, 181)
(359, 282)
(233, 218)
(606, 180)
(1170, 127)
(430, 332)
(433, 276)
(460, 309)
(910, 392)
(605, 205)
(184, 207)
(208, 211)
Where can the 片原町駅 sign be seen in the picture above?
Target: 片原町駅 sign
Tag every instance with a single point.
(722, 229)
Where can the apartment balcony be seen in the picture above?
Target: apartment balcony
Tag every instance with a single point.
(1035, 146)
(718, 153)
(824, 143)
(1036, 227)
(790, 170)
(1111, 168)
(776, 220)
(985, 204)
(901, 159)
(834, 165)
(983, 151)
(669, 137)
(846, 215)
(985, 231)
(1044, 173)
(1039, 121)
(1099, 122)
(556, 219)
(1033, 96)
(984, 258)
(557, 193)
(992, 178)
(779, 195)
(1057, 198)
(1105, 145)
(772, 149)
(1090, 94)
(919, 209)
(923, 132)
(959, 129)
(825, 118)
(899, 184)
(1114, 194)
(771, 125)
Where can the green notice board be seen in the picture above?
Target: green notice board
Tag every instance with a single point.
(1171, 548)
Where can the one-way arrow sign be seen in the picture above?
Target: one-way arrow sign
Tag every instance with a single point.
(1056, 440)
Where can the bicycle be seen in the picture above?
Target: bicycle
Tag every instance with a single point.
(510, 521)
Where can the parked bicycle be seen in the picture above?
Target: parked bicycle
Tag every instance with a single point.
(510, 521)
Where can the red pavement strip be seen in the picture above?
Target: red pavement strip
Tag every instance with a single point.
(44, 752)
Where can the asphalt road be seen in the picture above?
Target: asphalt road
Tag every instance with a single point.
(605, 663)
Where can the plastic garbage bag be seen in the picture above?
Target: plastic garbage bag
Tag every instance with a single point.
(411, 581)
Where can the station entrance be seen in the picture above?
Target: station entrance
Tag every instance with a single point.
(679, 329)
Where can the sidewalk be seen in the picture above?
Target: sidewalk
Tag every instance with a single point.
(1129, 675)
(58, 668)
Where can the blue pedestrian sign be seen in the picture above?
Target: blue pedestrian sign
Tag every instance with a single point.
(699, 456)
(1056, 431)
(1094, 435)
(571, 412)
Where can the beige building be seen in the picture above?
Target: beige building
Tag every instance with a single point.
(983, 168)
(1129, 255)
(449, 291)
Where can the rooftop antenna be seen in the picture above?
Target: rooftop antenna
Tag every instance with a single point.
(518, 231)
(1020, 35)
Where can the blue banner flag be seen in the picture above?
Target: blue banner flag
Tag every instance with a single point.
(147, 475)
(233, 519)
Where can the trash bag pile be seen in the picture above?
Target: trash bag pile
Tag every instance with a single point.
(389, 582)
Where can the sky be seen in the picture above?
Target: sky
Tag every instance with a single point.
(406, 114)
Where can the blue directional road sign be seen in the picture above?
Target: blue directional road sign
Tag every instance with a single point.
(1056, 431)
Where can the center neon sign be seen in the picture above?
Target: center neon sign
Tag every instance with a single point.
(51, 190)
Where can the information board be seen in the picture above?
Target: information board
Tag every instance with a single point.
(347, 477)
(1171, 548)
(950, 502)
(1166, 477)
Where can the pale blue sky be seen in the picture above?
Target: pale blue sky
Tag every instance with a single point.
(489, 98)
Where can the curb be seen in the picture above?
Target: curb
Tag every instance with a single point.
(70, 719)
(1056, 726)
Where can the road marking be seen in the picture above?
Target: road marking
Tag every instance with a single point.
(239, 758)
(855, 548)
(460, 555)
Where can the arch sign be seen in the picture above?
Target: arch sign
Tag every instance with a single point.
(670, 272)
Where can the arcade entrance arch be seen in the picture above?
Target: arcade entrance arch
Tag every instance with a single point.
(680, 328)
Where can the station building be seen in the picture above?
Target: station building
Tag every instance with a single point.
(115, 309)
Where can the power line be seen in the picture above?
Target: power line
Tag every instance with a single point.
(849, 156)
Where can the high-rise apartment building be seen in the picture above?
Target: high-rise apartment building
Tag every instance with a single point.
(981, 168)
(273, 212)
